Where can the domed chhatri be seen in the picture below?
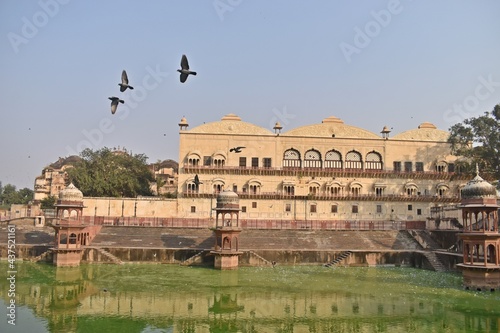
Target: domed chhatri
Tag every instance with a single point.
(479, 236)
(478, 188)
(228, 200)
(71, 193)
(183, 124)
(227, 230)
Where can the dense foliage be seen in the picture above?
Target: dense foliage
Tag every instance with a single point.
(10, 195)
(48, 202)
(478, 138)
(107, 173)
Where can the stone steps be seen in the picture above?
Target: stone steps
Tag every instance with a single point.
(337, 260)
(193, 259)
(105, 253)
(42, 256)
(203, 239)
(262, 258)
(436, 264)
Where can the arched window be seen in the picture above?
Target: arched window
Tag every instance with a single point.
(193, 159)
(218, 188)
(441, 189)
(253, 186)
(218, 185)
(411, 189)
(72, 238)
(73, 214)
(289, 189)
(291, 159)
(314, 187)
(353, 160)
(219, 160)
(441, 166)
(491, 254)
(333, 160)
(191, 187)
(335, 189)
(355, 188)
(226, 243)
(312, 159)
(373, 161)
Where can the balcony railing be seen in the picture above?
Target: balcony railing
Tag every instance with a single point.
(325, 197)
(205, 223)
(335, 172)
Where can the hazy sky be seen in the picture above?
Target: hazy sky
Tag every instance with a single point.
(370, 63)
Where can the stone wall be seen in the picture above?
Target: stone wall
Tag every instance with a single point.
(142, 206)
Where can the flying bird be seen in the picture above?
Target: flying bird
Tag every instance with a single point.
(236, 149)
(114, 103)
(124, 85)
(197, 180)
(185, 69)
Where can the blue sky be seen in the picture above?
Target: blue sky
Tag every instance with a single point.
(370, 63)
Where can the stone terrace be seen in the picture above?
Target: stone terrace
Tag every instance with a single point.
(203, 239)
(29, 235)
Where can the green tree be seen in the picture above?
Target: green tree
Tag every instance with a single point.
(48, 202)
(10, 195)
(110, 173)
(26, 195)
(478, 138)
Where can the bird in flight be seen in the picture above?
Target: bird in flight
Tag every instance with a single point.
(197, 180)
(124, 85)
(236, 149)
(114, 103)
(185, 69)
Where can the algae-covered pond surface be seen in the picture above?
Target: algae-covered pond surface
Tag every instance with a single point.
(170, 298)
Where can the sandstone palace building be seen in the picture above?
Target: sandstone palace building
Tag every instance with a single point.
(320, 172)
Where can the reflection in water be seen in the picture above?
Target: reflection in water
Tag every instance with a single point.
(164, 298)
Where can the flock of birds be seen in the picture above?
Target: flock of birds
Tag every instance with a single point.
(184, 73)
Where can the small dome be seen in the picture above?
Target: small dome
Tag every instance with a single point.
(71, 193)
(227, 196)
(183, 122)
(427, 125)
(231, 116)
(228, 200)
(478, 188)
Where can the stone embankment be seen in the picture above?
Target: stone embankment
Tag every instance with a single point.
(116, 244)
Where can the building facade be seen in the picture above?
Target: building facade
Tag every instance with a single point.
(324, 171)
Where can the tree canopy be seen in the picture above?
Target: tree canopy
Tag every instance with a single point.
(478, 139)
(110, 173)
(48, 202)
(10, 195)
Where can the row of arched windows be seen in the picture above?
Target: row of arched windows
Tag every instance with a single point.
(333, 159)
(331, 189)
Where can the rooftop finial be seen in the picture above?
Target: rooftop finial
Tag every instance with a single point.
(477, 169)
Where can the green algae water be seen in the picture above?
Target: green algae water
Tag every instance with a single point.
(169, 298)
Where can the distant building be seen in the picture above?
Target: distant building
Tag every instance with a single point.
(166, 175)
(54, 178)
(324, 171)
